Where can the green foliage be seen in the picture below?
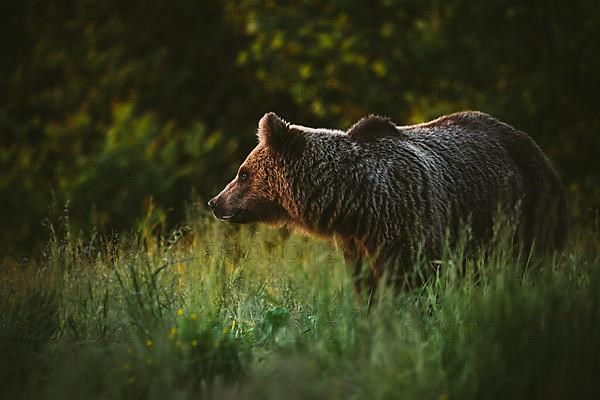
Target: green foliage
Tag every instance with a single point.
(213, 311)
(124, 111)
(121, 108)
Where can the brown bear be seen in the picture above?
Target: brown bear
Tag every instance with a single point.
(393, 193)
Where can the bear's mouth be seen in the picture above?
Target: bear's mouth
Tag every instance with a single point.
(234, 217)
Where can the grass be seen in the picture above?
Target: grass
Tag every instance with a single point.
(213, 311)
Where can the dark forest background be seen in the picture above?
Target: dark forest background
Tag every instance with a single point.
(123, 111)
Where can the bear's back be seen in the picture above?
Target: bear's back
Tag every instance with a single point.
(491, 162)
(471, 164)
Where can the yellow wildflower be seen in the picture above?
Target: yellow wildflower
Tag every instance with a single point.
(194, 316)
(180, 311)
(149, 343)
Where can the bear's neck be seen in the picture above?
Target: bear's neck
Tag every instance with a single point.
(330, 187)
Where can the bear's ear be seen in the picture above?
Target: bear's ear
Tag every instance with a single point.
(372, 127)
(276, 133)
(270, 127)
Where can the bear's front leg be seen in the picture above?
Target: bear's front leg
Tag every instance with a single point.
(362, 275)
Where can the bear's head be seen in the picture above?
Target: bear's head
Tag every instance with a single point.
(260, 190)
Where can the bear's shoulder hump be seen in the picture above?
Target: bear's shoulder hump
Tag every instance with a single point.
(372, 127)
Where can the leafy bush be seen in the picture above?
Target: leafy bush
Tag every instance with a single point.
(124, 107)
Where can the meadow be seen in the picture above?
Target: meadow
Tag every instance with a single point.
(128, 110)
(216, 311)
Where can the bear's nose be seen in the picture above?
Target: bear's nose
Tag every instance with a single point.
(212, 203)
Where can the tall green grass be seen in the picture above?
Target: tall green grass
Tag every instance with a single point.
(216, 311)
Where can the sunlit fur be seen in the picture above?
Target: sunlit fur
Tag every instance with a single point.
(389, 193)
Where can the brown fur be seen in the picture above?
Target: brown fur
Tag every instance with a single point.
(390, 193)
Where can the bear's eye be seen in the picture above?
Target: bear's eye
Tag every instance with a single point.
(243, 176)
